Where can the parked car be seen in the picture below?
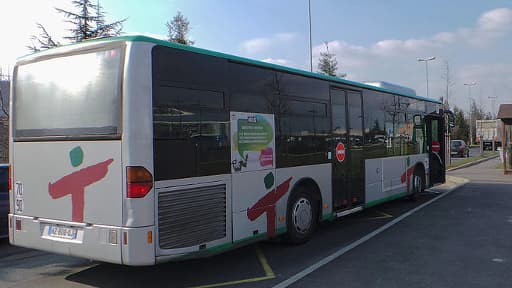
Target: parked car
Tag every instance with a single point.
(459, 148)
(4, 199)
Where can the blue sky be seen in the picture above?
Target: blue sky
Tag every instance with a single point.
(373, 40)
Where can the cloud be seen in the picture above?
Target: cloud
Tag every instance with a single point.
(264, 44)
(255, 46)
(497, 20)
(491, 26)
(488, 28)
(285, 37)
(283, 62)
(468, 50)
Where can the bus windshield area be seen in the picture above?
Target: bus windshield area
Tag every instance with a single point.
(71, 96)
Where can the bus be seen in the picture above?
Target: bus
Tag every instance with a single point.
(136, 151)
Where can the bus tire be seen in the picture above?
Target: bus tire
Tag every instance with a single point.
(301, 216)
(418, 182)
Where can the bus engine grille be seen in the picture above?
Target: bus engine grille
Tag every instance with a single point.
(192, 216)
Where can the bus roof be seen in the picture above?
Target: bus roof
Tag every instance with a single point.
(142, 38)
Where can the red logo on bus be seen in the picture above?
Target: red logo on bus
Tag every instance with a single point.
(267, 204)
(74, 184)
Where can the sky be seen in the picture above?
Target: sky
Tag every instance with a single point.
(373, 40)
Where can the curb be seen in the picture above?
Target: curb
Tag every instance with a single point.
(452, 183)
(472, 163)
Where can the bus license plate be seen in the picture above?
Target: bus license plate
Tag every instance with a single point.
(62, 232)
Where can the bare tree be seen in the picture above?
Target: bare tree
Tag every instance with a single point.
(448, 84)
(178, 29)
(2, 103)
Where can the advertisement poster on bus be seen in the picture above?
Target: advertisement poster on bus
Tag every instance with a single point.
(253, 142)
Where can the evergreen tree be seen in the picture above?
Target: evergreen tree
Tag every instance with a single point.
(43, 42)
(88, 23)
(327, 64)
(178, 29)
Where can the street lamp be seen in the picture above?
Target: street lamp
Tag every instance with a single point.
(310, 44)
(470, 112)
(426, 66)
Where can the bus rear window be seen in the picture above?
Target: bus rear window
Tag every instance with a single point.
(76, 96)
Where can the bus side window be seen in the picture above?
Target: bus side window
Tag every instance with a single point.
(190, 133)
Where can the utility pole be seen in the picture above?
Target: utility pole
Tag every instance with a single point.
(470, 112)
(310, 43)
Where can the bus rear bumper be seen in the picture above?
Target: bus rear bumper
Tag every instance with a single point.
(98, 242)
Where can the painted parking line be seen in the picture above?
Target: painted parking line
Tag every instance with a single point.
(354, 244)
(384, 215)
(377, 215)
(269, 274)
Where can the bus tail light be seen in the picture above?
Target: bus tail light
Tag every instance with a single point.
(150, 237)
(18, 224)
(139, 181)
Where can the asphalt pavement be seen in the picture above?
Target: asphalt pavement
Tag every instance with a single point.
(462, 240)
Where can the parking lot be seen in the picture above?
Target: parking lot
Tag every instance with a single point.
(459, 240)
(259, 265)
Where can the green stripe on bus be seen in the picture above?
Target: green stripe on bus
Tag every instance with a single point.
(385, 199)
(227, 246)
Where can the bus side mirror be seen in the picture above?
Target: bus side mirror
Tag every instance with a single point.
(418, 121)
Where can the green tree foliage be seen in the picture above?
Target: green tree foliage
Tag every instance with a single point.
(178, 29)
(461, 129)
(327, 64)
(88, 22)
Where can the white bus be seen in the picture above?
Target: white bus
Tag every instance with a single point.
(136, 151)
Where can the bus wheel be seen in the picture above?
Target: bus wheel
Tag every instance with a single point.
(301, 216)
(418, 182)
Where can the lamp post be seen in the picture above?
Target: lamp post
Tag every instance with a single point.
(310, 44)
(426, 66)
(470, 112)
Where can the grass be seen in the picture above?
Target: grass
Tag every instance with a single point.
(488, 154)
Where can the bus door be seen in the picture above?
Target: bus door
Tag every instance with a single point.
(436, 148)
(347, 149)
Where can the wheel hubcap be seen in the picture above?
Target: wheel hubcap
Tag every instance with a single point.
(302, 215)
(417, 182)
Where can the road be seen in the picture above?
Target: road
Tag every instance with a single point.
(461, 240)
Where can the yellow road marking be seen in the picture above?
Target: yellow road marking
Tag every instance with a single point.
(269, 274)
(264, 263)
(384, 215)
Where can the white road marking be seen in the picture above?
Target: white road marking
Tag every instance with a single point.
(354, 244)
